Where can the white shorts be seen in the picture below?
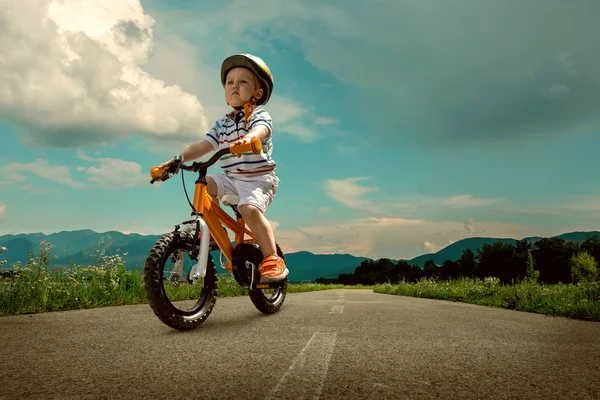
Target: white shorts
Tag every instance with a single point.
(258, 191)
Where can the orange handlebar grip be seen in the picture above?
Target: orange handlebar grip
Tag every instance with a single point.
(156, 172)
(255, 146)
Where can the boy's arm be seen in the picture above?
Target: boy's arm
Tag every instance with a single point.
(260, 126)
(259, 131)
(197, 150)
(193, 151)
(202, 147)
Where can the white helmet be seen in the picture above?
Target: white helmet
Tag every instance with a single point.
(254, 64)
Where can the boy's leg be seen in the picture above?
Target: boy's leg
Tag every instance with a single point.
(255, 197)
(218, 186)
(211, 186)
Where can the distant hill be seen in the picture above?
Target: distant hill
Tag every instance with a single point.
(306, 266)
(80, 247)
(454, 251)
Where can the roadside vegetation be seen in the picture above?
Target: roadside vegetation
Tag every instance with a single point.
(552, 276)
(580, 301)
(36, 287)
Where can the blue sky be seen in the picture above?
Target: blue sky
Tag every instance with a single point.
(399, 127)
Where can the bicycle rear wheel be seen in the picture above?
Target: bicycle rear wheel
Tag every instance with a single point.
(248, 257)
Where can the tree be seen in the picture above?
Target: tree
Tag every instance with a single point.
(430, 270)
(531, 271)
(591, 245)
(346, 279)
(467, 263)
(385, 271)
(365, 273)
(497, 260)
(552, 257)
(415, 274)
(517, 269)
(403, 270)
(450, 270)
(583, 267)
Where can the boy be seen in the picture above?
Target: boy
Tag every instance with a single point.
(248, 84)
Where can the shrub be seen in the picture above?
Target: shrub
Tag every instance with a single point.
(583, 267)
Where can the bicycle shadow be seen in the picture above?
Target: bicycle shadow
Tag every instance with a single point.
(218, 325)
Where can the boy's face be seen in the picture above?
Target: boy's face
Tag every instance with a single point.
(239, 86)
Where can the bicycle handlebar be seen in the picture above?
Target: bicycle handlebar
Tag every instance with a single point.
(162, 174)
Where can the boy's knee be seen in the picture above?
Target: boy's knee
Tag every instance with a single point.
(249, 211)
(211, 186)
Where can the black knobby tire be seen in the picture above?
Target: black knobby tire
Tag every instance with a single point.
(260, 301)
(155, 291)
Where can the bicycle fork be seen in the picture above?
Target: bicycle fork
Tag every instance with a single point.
(199, 269)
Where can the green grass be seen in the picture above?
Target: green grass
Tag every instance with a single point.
(37, 288)
(581, 301)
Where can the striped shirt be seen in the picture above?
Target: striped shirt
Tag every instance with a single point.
(230, 128)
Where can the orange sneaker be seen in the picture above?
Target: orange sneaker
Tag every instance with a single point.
(272, 269)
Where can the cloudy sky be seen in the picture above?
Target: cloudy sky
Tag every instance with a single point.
(399, 126)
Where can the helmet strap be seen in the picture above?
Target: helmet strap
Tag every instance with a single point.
(250, 105)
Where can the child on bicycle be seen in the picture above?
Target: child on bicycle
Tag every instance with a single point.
(248, 84)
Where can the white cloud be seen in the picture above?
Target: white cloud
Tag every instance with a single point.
(430, 247)
(114, 173)
(274, 224)
(77, 78)
(404, 54)
(55, 173)
(466, 200)
(195, 76)
(91, 73)
(38, 190)
(353, 146)
(571, 206)
(326, 121)
(430, 203)
(472, 229)
(2, 211)
(291, 117)
(190, 72)
(350, 193)
(347, 192)
(387, 237)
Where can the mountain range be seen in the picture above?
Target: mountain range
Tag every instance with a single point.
(80, 246)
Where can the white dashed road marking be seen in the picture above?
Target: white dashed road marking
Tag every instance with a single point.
(308, 371)
(339, 309)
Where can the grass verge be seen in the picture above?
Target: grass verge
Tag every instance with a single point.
(580, 301)
(36, 288)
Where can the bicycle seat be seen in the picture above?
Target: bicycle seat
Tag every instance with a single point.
(230, 199)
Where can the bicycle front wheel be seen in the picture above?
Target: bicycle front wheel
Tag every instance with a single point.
(177, 301)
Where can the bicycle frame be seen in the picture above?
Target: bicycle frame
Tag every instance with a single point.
(215, 218)
(209, 216)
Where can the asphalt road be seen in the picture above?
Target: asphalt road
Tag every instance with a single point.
(339, 344)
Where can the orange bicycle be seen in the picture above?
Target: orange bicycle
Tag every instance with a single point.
(206, 231)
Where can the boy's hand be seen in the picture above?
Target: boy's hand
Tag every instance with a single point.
(244, 140)
(163, 165)
(166, 164)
